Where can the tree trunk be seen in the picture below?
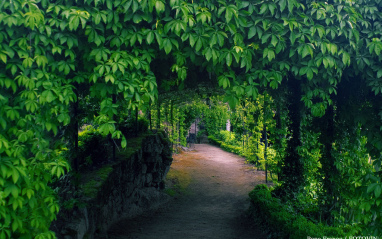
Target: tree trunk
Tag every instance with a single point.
(278, 141)
(136, 122)
(265, 151)
(179, 133)
(158, 115)
(329, 169)
(151, 126)
(292, 172)
(75, 130)
(265, 137)
(114, 99)
(172, 124)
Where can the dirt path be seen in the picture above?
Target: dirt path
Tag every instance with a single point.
(213, 204)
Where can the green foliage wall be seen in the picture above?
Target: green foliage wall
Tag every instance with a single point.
(50, 49)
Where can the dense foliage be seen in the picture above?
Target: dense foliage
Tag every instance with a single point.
(273, 214)
(70, 61)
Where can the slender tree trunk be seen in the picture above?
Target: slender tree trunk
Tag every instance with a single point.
(265, 151)
(243, 130)
(278, 141)
(265, 137)
(179, 133)
(75, 130)
(195, 130)
(329, 169)
(172, 124)
(166, 117)
(158, 115)
(136, 122)
(114, 99)
(151, 126)
(292, 172)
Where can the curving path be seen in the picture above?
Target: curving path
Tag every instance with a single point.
(213, 205)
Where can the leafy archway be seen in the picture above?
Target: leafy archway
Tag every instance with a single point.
(51, 50)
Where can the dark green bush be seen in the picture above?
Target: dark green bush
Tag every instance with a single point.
(131, 128)
(93, 148)
(282, 222)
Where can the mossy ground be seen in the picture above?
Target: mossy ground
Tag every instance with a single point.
(177, 182)
(177, 179)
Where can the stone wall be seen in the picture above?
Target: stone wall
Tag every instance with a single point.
(131, 187)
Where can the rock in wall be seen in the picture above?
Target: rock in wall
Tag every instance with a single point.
(131, 187)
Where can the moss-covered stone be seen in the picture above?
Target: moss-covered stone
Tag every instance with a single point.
(132, 146)
(94, 180)
(124, 187)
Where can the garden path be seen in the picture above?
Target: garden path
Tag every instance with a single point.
(212, 202)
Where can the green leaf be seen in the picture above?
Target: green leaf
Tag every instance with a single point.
(11, 189)
(3, 123)
(377, 191)
(306, 51)
(49, 96)
(371, 187)
(269, 53)
(378, 48)
(282, 4)
(224, 81)
(252, 32)
(333, 48)
(167, 46)
(159, 40)
(303, 70)
(309, 74)
(290, 5)
(106, 128)
(13, 69)
(379, 73)
(109, 77)
(229, 59)
(263, 8)
(123, 142)
(293, 37)
(346, 58)
(150, 37)
(274, 40)
(15, 225)
(265, 37)
(230, 11)
(159, 6)
(198, 45)
(272, 8)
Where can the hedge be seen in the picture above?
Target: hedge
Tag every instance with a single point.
(225, 146)
(284, 223)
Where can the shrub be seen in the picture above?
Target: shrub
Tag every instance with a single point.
(227, 137)
(130, 128)
(282, 221)
(92, 147)
(225, 146)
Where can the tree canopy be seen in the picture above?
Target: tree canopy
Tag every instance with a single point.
(123, 52)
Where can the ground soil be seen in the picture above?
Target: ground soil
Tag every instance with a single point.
(210, 189)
